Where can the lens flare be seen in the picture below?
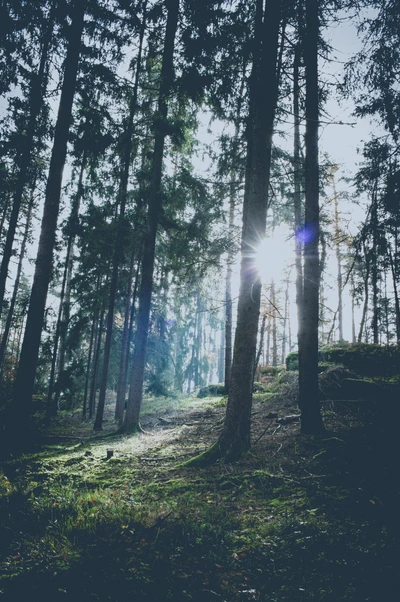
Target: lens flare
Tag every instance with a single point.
(273, 256)
(306, 234)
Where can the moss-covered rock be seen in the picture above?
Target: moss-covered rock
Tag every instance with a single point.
(211, 390)
(292, 361)
(357, 388)
(361, 358)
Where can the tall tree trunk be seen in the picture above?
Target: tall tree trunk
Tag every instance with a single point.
(366, 295)
(268, 345)
(21, 330)
(297, 197)
(131, 422)
(131, 324)
(228, 290)
(387, 325)
(65, 302)
(4, 214)
(65, 299)
(89, 362)
(260, 343)
(178, 367)
(221, 355)
(338, 260)
(38, 85)
(374, 270)
(322, 299)
(10, 314)
(285, 322)
(274, 326)
(96, 362)
(311, 421)
(289, 330)
(25, 379)
(118, 249)
(198, 342)
(396, 293)
(190, 370)
(121, 388)
(353, 321)
(235, 437)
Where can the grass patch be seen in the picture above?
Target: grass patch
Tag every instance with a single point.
(298, 518)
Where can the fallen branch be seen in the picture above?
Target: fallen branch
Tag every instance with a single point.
(278, 450)
(166, 458)
(288, 419)
(277, 429)
(262, 434)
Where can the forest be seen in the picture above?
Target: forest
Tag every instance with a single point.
(199, 304)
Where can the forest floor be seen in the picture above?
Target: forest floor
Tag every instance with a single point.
(297, 519)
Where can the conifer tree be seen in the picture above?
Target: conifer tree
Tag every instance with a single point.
(36, 93)
(131, 422)
(25, 378)
(235, 437)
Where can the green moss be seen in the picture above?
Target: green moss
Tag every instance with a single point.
(292, 361)
(211, 390)
(299, 521)
(361, 358)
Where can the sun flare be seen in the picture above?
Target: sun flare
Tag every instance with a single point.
(274, 255)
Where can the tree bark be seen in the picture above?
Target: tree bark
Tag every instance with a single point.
(396, 293)
(297, 179)
(198, 342)
(338, 261)
(353, 321)
(374, 270)
(322, 299)
(268, 345)
(4, 214)
(366, 294)
(131, 422)
(274, 326)
(221, 355)
(121, 389)
(260, 343)
(96, 362)
(25, 379)
(88, 365)
(311, 421)
(228, 292)
(285, 323)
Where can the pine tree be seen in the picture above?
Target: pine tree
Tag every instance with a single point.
(37, 89)
(24, 383)
(131, 422)
(235, 437)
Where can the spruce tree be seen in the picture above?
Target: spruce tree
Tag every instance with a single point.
(18, 427)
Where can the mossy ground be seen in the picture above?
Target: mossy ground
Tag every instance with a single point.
(297, 519)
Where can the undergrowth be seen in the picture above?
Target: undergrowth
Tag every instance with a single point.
(299, 518)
